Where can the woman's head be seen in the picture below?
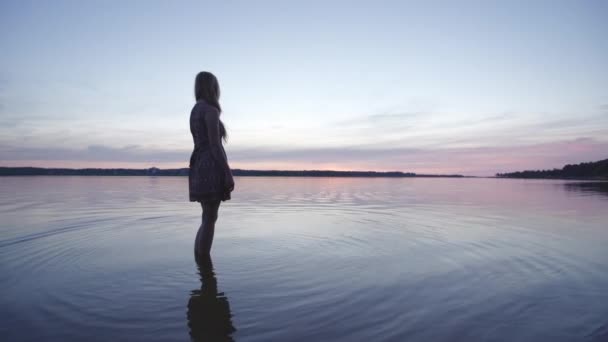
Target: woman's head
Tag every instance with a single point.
(206, 87)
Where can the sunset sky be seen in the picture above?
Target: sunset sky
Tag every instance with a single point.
(470, 87)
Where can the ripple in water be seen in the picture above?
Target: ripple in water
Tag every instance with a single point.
(299, 259)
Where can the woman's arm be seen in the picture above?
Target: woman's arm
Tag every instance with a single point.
(212, 120)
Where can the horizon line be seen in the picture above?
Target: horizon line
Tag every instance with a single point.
(243, 170)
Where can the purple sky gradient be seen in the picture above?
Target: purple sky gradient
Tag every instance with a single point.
(463, 87)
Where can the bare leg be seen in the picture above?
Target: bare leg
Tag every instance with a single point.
(204, 237)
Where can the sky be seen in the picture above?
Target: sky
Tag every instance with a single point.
(468, 87)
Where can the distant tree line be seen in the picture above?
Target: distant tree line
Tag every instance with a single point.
(38, 171)
(591, 170)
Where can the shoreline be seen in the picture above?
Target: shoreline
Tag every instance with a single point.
(183, 172)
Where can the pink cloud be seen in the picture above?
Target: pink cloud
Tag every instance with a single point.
(480, 161)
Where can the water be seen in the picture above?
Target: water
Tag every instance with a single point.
(305, 259)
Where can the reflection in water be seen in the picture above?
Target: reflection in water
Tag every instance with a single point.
(209, 316)
(588, 187)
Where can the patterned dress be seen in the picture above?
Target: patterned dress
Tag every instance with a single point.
(206, 174)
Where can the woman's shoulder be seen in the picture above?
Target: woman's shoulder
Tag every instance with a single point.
(202, 106)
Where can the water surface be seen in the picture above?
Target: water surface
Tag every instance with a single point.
(305, 259)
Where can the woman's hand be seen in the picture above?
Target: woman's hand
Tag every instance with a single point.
(228, 186)
(229, 182)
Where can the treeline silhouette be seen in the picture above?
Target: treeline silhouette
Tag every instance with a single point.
(39, 171)
(590, 170)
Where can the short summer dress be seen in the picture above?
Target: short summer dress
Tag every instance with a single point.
(206, 174)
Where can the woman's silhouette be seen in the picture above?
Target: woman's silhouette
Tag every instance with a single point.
(210, 178)
(209, 316)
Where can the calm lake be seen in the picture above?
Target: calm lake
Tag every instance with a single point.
(305, 259)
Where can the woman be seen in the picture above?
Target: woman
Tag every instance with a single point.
(210, 178)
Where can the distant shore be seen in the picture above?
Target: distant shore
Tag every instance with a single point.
(40, 171)
(597, 170)
(584, 171)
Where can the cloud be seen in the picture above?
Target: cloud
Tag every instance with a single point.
(442, 130)
(131, 153)
(417, 141)
(471, 160)
(468, 160)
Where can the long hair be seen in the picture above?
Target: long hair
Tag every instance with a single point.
(207, 88)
